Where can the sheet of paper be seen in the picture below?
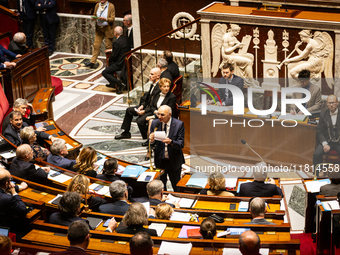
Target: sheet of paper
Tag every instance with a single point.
(147, 207)
(59, 178)
(179, 216)
(8, 154)
(231, 182)
(171, 199)
(236, 251)
(186, 202)
(243, 206)
(69, 146)
(314, 186)
(160, 135)
(120, 169)
(172, 248)
(245, 41)
(159, 227)
(59, 195)
(224, 233)
(105, 190)
(146, 177)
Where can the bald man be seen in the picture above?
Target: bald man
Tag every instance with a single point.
(144, 103)
(249, 243)
(12, 208)
(23, 168)
(117, 58)
(328, 132)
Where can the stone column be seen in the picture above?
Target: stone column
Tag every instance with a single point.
(135, 23)
(206, 51)
(337, 63)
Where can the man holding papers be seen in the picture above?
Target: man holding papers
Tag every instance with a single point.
(169, 144)
(328, 132)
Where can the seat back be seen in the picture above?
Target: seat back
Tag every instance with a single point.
(5, 39)
(4, 106)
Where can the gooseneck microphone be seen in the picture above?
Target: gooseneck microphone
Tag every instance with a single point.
(245, 143)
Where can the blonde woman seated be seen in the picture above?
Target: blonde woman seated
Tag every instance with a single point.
(85, 162)
(29, 137)
(163, 211)
(216, 182)
(208, 228)
(80, 184)
(134, 220)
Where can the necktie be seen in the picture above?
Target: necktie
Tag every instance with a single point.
(165, 128)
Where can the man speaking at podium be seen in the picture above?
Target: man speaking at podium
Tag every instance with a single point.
(168, 153)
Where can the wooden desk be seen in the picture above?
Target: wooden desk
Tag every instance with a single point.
(42, 104)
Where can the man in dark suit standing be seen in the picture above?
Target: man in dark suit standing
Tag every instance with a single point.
(119, 194)
(12, 208)
(48, 19)
(172, 66)
(229, 78)
(117, 58)
(163, 65)
(128, 29)
(168, 153)
(328, 132)
(18, 44)
(27, 12)
(23, 168)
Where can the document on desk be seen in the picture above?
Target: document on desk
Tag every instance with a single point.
(54, 176)
(330, 205)
(159, 227)
(230, 182)
(314, 186)
(160, 135)
(172, 248)
(197, 180)
(243, 206)
(104, 190)
(236, 251)
(146, 177)
(184, 231)
(183, 202)
(179, 216)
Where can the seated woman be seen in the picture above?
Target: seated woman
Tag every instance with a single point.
(134, 219)
(216, 182)
(29, 137)
(163, 211)
(80, 184)
(165, 97)
(208, 228)
(85, 162)
(109, 171)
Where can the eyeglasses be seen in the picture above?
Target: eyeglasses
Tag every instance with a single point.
(331, 103)
(161, 114)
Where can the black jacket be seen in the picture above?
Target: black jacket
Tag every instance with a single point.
(27, 171)
(119, 48)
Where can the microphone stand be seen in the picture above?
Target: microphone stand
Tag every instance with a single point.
(86, 206)
(150, 151)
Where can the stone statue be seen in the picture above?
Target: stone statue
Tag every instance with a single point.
(227, 44)
(319, 54)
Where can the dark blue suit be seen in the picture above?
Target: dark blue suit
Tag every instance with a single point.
(7, 53)
(61, 161)
(57, 218)
(28, 15)
(173, 165)
(118, 207)
(237, 81)
(48, 18)
(27, 171)
(259, 189)
(3, 59)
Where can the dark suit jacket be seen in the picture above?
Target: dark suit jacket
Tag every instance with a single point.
(71, 251)
(3, 59)
(260, 222)
(133, 229)
(50, 8)
(29, 9)
(325, 126)
(29, 121)
(61, 161)
(7, 53)
(146, 99)
(26, 170)
(259, 189)
(237, 81)
(10, 206)
(166, 74)
(169, 99)
(119, 48)
(118, 207)
(130, 37)
(156, 202)
(16, 48)
(176, 134)
(108, 177)
(173, 68)
(57, 218)
(331, 189)
(12, 135)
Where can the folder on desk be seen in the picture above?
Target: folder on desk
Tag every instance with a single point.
(173, 248)
(243, 206)
(133, 171)
(184, 231)
(237, 231)
(197, 180)
(330, 205)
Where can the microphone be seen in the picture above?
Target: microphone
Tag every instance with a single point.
(245, 143)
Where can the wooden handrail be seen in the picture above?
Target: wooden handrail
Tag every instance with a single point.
(160, 37)
(12, 14)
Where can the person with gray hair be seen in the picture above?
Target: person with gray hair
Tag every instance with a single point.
(155, 190)
(28, 136)
(163, 65)
(18, 44)
(117, 60)
(128, 29)
(258, 209)
(119, 194)
(249, 243)
(59, 151)
(258, 188)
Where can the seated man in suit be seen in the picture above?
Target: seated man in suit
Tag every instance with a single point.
(163, 66)
(109, 171)
(258, 188)
(4, 62)
(79, 236)
(117, 58)
(231, 79)
(144, 103)
(258, 209)
(59, 151)
(155, 191)
(333, 188)
(119, 194)
(23, 168)
(18, 44)
(12, 208)
(141, 244)
(172, 66)
(12, 132)
(249, 243)
(314, 102)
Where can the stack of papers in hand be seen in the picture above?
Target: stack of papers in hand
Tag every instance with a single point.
(159, 227)
(133, 171)
(179, 216)
(314, 186)
(183, 202)
(175, 248)
(197, 180)
(330, 205)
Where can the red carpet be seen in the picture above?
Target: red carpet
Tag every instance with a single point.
(307, 247)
